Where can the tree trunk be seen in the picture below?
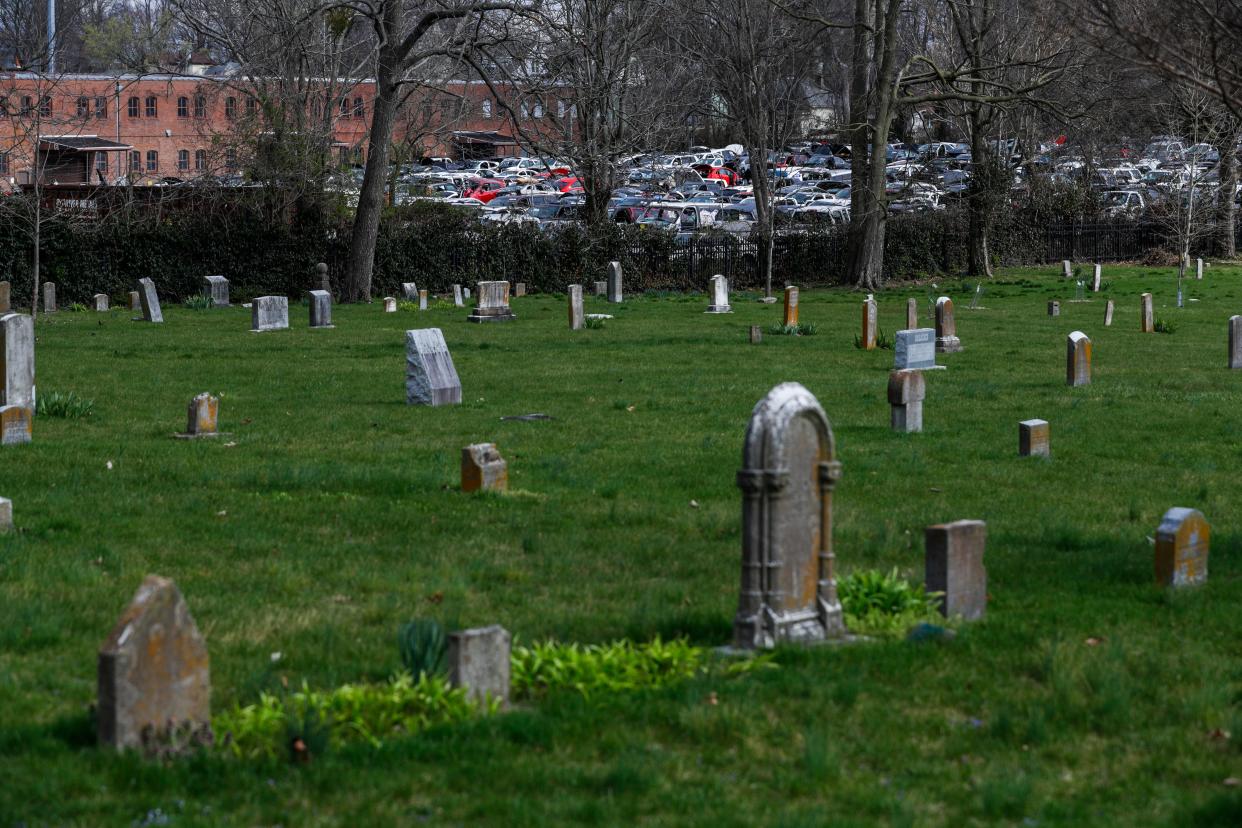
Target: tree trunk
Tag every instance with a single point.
(763, 214)
(1226, 212)
(979, 201)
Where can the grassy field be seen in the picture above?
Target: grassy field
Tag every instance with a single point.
(1088, 696)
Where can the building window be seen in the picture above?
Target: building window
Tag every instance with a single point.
(183, 160)
(487, 107)
(131, 107)
(183, 107)
(152, 104)
(101, 162)
(251, 105)
(4, 163)
(45, 107)
(84, 107)
(230, 107)
(4, 106)
(524, 111)
(538, 109)
(230, 158)
(27, 104)
(101, 107)
(200, 160)
(153, 161)
(359, 110)
(344, 107)
(560, 109)
(135, 160)
(200, 107)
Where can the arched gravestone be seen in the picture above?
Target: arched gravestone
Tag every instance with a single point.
(789, 470)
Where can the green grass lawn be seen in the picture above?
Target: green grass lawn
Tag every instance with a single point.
(332, 514)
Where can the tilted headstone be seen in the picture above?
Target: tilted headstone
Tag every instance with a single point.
(915, 350)
(153, 668)
(906, 391)
(946, 327)
(483, 469)
(135, 302)
(576, 320)
(49, 297)
(216, 288)
(912, 313)
(1077, 359)
(17, 364)
(202, 416)
(6, 514)
(756, 334)
(1235, 342)
(320, 309)
(789, 471)
(519, 289)
(601, 288)
(409, 290)
(269, 313)
(1199, 269)
(1147, 322)
(6, 300)
(493, 303)
(1066, 271)
(390, 304)
(1033, 439)
(615, 293)
(16, 422)
(150, 300)
(870, 319)
(1054, 308)
(1095, 279)
(321, 277)
(101, 302)
(1109, 307)
(954, 565)
(718, 287)
(1183, 540)
(479, 662)
(430, 378)
(422, 300)
(457, 300)
(791, 306)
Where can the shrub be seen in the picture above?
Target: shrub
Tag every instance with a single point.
(423, 646)
(884, 603)
(198, 301)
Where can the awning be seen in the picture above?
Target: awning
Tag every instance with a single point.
(80, 143)
(490, 138)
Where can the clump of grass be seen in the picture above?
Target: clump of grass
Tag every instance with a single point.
(407, 305)
(615, 667)
(424, 647)
(882, 342)
(594, 324)
(884, 603)
(801, 329)
(1164, 326)
(64, 404)
(199, 301)
(77, 307)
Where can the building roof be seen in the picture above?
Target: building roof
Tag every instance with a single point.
(80, 143)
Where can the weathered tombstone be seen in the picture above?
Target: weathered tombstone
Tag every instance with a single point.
(135, 302)
(791, 305)
(15, 424)
(1066, 271)
(17, 366)
(1182, 544)
(912, 313)
(1235, 342)
(320, 309)
(1077, 359)
(150, 300)
(153, 669)
(422, 300)
(483, 469)
(321, 277)
(6, 514)
(1147, 322)
(465, 292)
(519, 289)
(1054, 308)
(269, 313)
(409, 290)
(479, 662)
(390, 304)
(615, 291)
(756, 334)
(493, 303)
(457, 300)
(49, 297)
(915, 350)
(1033, 439)
(946, 327)
(789, 471)
(1095, 278)
(6, 301)
(906, 391)
(216, 288)
(201, 421)
(1109, 307)
(430, 378)
(1199, 269)
(576, 320)
(954, 565)
(719, 290)
(601, 288)
(101, 302)
(870, 319)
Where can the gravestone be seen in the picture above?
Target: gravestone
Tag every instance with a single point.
(15, 424)
(6, 514)
(906, 390)
(718, 288)
(756, 334)
(601, 288)
(1147, 322)
(789, 471)
(870, 319)
(479, 661)
(321, 277)
(150, 300)
(1235, 342)
(1109, 307)
(1183, 540)
(954, 565)
(1054, 308)
(17, 365)
(1033, 439)
(216, 288)
(483, 469)
(430, 378)
(791, 305)
(135, 303)
(409, 290)
(493, 303)
(390, 304)
(269, 313)
(457, 300)
(1095, 279)
(153, 669)
(915, 350)
(49, 297)
(576, 320)
(1066, 271)
(1077, 359)
(101, 302)
(320, 309)
(615, 293)
(465, 292)
(519, 289)
(201, 421)
(946, 327)
(1199, 269)
(6, 300)
(422, 300)
(912, 313)
(1079, 294)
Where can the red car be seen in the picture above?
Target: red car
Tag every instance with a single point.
(483, 189)
(566, 184)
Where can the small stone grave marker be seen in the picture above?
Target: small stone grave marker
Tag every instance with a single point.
(101, 302)
(601, 288)
(430, 377)
(791, 305)
(135, 303)
(150, 300)
(1054, 308)
(756, 334)
(1199, 269)
(321, 277)
(269, 313)
(906, 391)
(718, 288)
(1095, 278)
(1033, 439)
(390, 304)
(519, 289)
(479, 662)
(320, 309)
(954, 566)
(6, 515)
(1077, 359)
(201, 420)
(422, 300)
(615, 293)
(870, 319)
(912, 313)
(915, 350)
(216, 288)
(576, 320)
(465, 292)
(1109, 307)
(1147, 322)
(483, 469)
(1235, 342)
(49, 297)
(457, 300)
(1079, 294)
(946, 327)
(17, 366)
(493, 303)
(1183, 540)
(409, 290)
(1066, 271)
(15, 424)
